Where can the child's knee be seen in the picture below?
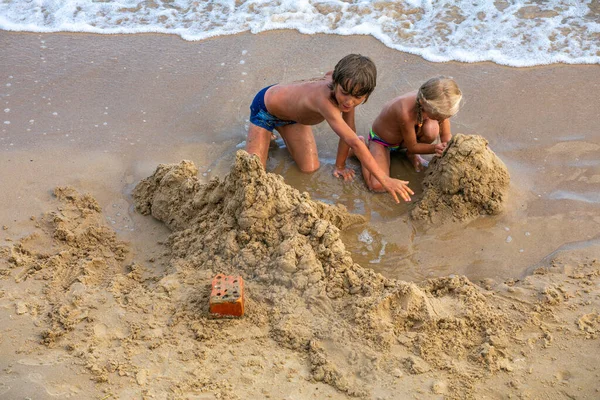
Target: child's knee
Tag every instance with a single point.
(310, 167)
(429, 133)
(428, 137)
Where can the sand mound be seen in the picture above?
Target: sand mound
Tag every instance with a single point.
(313, 316)
(251, 222)
(467, 181)
(289, 248)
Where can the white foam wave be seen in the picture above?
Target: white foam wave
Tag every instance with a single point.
(514, 33)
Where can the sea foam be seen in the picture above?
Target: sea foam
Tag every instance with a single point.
(514, 33)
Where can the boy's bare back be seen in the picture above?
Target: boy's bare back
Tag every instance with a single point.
(306, 102)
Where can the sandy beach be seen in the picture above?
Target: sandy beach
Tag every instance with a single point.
(506, 305)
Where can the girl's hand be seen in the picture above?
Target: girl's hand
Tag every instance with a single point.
(439, 148)
(396, 186)
(346, 173)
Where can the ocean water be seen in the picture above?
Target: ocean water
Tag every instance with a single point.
(514, 33)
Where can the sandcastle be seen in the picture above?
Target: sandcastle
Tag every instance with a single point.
(467, 181)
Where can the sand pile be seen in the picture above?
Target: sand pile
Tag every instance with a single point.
(467, 181)
(313, 316)
(251, 222)
(254, 224)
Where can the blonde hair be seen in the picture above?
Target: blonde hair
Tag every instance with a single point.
(440, 97)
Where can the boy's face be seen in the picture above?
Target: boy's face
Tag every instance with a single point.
(345, 101)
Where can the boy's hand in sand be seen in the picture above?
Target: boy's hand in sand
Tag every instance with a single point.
(346, 173)
(397, 186)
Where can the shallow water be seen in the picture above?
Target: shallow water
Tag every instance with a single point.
(535, 222)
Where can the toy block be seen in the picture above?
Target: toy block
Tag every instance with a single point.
(227, 296)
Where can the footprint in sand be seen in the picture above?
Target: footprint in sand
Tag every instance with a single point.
(4, 385)
(60, 390)
(47, 359)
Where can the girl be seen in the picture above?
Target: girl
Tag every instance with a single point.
(414, 122)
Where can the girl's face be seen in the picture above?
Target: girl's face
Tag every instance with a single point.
(345, 100)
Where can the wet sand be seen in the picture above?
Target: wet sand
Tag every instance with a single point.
(99, 113)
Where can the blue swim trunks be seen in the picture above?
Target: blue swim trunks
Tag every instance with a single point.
(259, 115)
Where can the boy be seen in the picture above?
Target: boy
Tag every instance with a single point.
(292, 108)
(413, 122)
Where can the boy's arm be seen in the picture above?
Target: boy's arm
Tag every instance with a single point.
(348, 136)
(344, 150)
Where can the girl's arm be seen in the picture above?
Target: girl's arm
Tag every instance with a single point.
(406, 129)
(410, 141)
(409, 136)
(445, 133)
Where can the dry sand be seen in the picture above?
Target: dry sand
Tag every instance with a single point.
(99, 301)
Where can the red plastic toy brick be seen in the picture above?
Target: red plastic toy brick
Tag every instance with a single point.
(227, 296)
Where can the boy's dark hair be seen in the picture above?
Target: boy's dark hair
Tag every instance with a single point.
(356, 74)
